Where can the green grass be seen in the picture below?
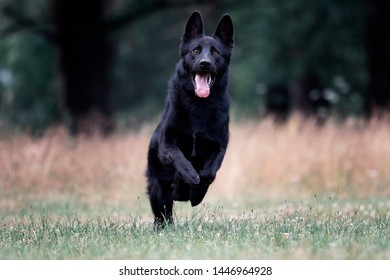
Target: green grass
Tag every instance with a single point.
(331, 229)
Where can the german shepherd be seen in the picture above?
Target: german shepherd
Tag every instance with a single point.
(188, 146)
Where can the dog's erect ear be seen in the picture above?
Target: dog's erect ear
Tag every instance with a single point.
(224, 31)
(194, 27)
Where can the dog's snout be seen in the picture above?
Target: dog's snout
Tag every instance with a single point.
(205, 64)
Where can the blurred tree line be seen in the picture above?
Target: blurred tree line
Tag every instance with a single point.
(97, 63)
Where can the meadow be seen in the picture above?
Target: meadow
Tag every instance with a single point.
(291, 191)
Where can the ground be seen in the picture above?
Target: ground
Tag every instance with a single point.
(292, 191)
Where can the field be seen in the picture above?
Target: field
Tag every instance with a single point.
(293, 191)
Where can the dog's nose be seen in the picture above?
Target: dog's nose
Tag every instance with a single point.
(205, 64)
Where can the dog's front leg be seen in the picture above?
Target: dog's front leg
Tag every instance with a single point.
(207, 176)
(169, 153)
(211, 166)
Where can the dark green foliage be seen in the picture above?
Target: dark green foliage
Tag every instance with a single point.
(277, 42)
(280, 42)
(147, 55)
(28, 96)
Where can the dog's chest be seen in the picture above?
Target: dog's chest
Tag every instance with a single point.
(199, 124)
(201, 119)
(199, 139)
(196, 145)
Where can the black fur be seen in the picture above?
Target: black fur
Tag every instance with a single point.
(189, 143)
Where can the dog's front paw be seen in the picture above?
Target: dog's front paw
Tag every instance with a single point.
(206, 177)
(189, 175)
(197, 193)
(192, 178)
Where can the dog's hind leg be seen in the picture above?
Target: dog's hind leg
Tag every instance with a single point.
(160, 178)
(161, 201)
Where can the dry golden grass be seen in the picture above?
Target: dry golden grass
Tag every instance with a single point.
(300, 158)
(263, 161)
(58, 163)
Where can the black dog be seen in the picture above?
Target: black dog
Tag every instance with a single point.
(189, 144)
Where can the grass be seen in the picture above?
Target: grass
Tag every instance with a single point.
(206, 235)
(295, 191)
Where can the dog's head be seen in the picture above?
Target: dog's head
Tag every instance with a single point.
(205, 58)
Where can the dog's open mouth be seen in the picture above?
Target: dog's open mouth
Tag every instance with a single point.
(203, 82)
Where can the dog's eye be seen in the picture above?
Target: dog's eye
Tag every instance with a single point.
(216, 53)
(196, 51)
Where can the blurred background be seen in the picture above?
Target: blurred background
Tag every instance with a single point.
(105, 64)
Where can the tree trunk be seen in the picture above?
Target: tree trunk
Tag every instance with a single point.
(378, 56)
(85, 57)
(308, 98)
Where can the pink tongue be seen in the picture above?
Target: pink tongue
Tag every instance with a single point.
(202, 87)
